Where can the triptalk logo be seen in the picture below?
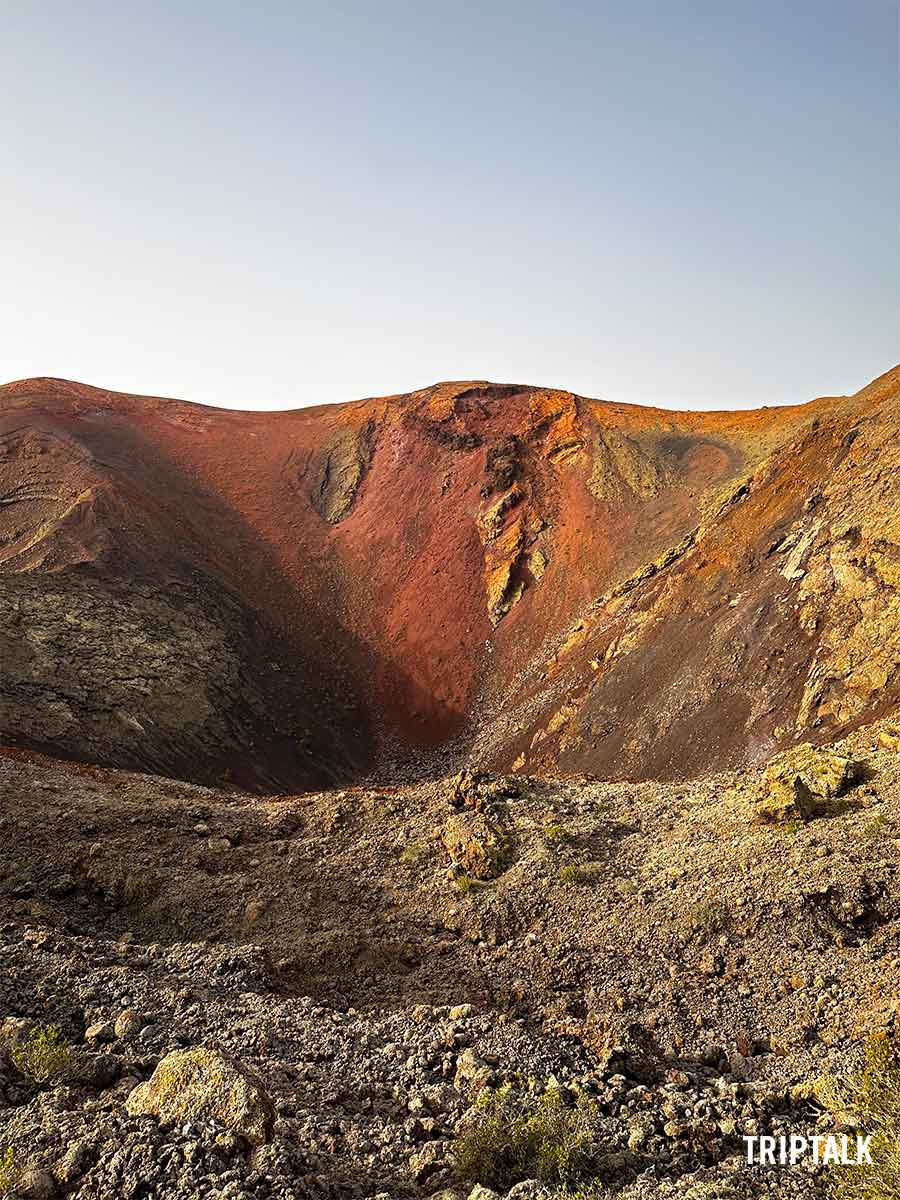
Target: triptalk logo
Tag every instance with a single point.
(827, 1149)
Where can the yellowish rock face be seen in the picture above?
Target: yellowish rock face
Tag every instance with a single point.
(802, 782)
(202, 1083)
(474, 843)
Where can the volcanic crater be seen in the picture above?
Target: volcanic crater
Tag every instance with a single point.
(505, 575)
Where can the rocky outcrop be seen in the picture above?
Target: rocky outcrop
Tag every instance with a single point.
(480, 790)
(201, 1084)
(803, 782)
(343, 470)
(503, 521)
(475, 842)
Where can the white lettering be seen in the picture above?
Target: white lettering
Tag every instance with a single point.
(799, 1147)
(766, 1150)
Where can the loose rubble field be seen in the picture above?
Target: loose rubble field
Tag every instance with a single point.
(362, 969)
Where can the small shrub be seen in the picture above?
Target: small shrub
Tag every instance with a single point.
(591, 1190)
(556, 833)
(10, 1173)
(708, 916)
(414, 854)
(43, 1055)
(872, 1096)
(570, 874)
(463, 883)
(878, 827)
(521, 1135)
(382, 806)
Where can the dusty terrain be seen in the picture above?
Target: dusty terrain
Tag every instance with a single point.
(693, 974)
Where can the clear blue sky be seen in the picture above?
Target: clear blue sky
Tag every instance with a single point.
(686, 202)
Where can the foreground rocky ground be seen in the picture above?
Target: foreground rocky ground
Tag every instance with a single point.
(359, 967)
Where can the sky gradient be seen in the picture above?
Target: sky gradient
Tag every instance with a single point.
(280, 204)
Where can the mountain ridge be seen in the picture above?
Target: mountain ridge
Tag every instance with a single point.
(40, 383)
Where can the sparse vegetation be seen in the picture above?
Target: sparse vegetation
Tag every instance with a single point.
(521, 1134)
(872, 1096)
(591, 1190)
(463, 883)
(878, 827)
(708, 916)
(414, 854)
(10, 1172)
(43, 1056)
(570, 874)
(382, 806)
(557, 833)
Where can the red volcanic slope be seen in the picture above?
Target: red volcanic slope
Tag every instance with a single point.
(398, 574)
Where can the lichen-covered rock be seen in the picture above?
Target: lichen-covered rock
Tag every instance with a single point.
(503, 552)
(802, 782)
(475, 843)
(201, 1084)
(889, 739)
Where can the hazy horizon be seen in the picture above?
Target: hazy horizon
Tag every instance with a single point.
(296, 205)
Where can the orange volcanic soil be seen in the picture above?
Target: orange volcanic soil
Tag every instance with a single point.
(536, 578)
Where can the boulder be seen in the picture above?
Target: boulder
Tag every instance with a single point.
(100, 1031)
(74, 1163)
(128, 1024)
(472, 1073)
(202, 1084)
(803, 782)
(36, 1184)
(428, 1160)
(475, 843)
(889, 739)
(464, 790)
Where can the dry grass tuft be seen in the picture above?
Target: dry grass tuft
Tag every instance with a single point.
(43, 1056)
(10, 1173)
(523, 1135)
(872, 1098)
